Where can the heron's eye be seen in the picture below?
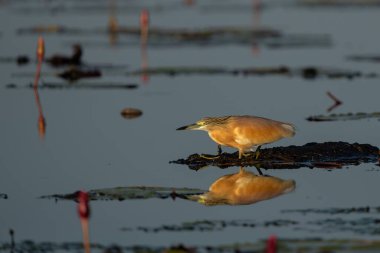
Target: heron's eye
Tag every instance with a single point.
(201, 123)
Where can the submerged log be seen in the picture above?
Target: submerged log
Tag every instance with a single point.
(328, 155)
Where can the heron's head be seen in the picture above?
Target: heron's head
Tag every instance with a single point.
(199, 125)
(205, 123)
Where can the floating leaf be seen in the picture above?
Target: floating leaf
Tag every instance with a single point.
(133, 192)
(334, 211)
(344, 116)
(213, 225)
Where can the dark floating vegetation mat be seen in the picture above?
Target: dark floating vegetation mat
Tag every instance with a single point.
(304, 245)
(365, 58)
(333, 211)
(344, 116)
(19, 60)
(132, 192)
(340, 3)
(3, 196)
(306, 72)
(212, 225)
(327, 155)
(203, 36)
(364, 226)
(91, 86)
(74, 74)
(309, 73)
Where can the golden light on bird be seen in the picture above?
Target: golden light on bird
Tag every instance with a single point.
(244, 188)
(246, 133)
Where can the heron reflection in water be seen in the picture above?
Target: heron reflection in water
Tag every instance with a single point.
(244, 188)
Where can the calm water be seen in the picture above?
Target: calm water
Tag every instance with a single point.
(88, 145)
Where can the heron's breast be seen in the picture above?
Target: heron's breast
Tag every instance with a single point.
(224, 138)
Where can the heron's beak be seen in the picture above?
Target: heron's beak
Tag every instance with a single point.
(189, 127)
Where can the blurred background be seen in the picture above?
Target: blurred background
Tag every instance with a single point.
(68, 134)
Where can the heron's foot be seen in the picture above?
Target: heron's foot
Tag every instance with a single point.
(255, 154)
(247, 155)
(209, 157)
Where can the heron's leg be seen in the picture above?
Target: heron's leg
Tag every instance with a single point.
(258, 170)
(211, 157)
(219, 149)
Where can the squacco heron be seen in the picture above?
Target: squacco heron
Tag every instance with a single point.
(246, 133)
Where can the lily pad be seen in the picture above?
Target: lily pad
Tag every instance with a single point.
(344, 116)
(336, 211)
(132, 192)
(339, 3)
(327, 155)
(305, 245)
(364, 226)
(365, 58)
(213, 225)
(90, 86)
(309, 72)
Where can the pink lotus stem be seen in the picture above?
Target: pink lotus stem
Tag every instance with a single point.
(271, 244)
(144, 26)
(84, 215)
(337, 102)
(40, 58)
(40, 49)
